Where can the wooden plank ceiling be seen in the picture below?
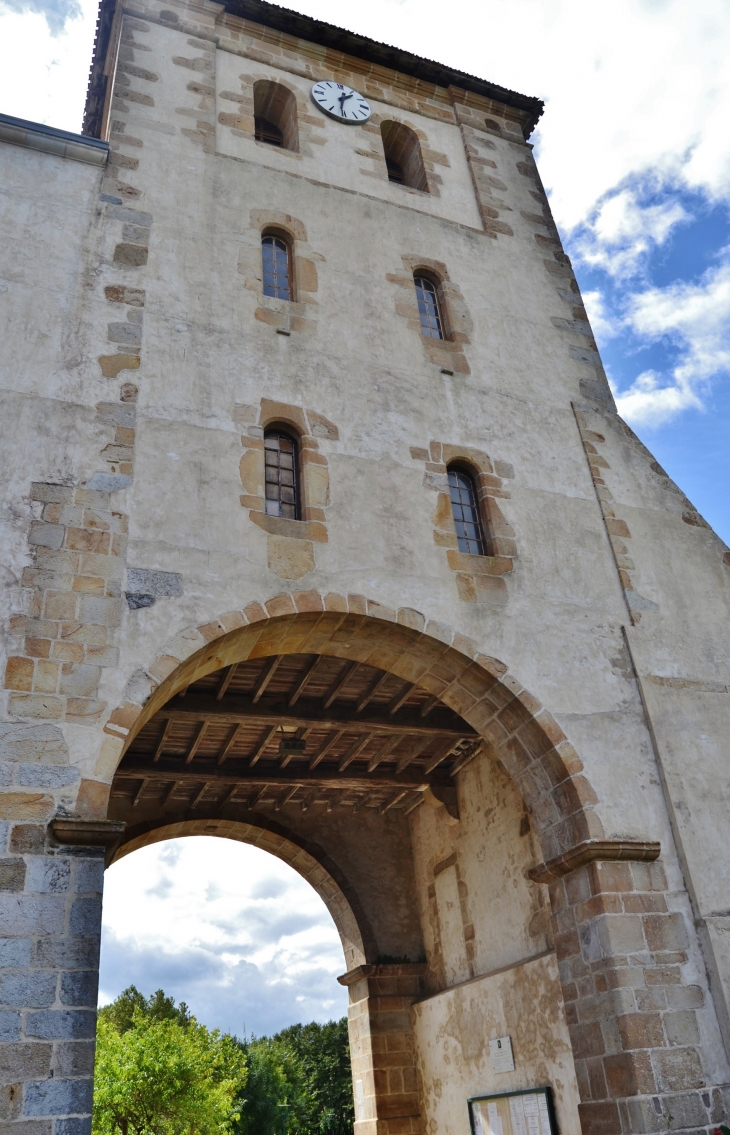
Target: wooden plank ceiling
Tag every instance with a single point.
(300, 730)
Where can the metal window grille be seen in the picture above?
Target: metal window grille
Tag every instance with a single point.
(395, 172)
(466, 513)
(282, 489)
(275, 257)
(428, 308)
(265, 131)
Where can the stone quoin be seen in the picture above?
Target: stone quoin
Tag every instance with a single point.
(321, 532)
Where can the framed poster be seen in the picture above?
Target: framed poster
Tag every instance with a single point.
(528, 1112)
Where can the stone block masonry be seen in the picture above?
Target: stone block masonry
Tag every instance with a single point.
(74, 605)
(50, 921)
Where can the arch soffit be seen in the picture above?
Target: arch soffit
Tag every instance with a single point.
(518, 731)
(308, 860)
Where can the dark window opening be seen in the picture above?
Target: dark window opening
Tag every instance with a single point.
(429, 311)
(276, 263)
(267, 132)
(395, 173)
(282, 481)
(403, 158)
(275, 115)
(466, 513)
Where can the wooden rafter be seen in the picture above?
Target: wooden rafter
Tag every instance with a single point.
(374, 688)
(411, 778)
(170, 793)
(265, 677)
(299, 686)
(356, 747)
(382, 753)
(238, 710)
(163, 739)
(413, 752)
(399, 698)
(226, 681)
(338, 686)
(232, 738)
(196, 742)
(325, 748)
(199, 795)
(263, 742)
(138, 794)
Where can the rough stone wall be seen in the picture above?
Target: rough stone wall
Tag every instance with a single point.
(609, 614)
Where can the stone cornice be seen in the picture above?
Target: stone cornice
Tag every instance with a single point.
(592, 851)
(49, 140)
(86, 833)
(386, 969)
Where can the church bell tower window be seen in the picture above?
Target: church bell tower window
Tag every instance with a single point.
(465, 509)
(282, 481)
(429, 308)
(276, 261)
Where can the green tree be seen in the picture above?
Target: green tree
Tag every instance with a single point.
(157, 1007)
(158, 1076)
(302, 1073)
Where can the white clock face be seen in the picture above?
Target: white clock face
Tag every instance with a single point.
(340, 102)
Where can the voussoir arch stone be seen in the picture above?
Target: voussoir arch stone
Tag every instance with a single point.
(517, 730)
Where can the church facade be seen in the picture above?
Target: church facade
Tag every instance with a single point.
(321, 531)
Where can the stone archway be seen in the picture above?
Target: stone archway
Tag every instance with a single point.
(596, 902)
(517, 730)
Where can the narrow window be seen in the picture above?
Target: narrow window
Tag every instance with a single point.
(403, 156)
(276, 262)
(466, 513)
(267, 132)
(395, 173)
(275, 115)
(282, 482)
(429, 309)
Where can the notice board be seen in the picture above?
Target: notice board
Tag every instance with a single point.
(529, 1112)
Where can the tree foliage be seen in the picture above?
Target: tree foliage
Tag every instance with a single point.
(158, 1072)
(302, 1075)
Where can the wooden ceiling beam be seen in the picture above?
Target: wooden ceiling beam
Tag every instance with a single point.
(302, 682)
(265, 677)
(410, 779)
(239, 710)
(232, 738)
(196, 742)
(336, 689)
(225, 681)
(263, 742)
(163, 739)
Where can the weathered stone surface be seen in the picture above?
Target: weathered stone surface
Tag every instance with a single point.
(604, 716)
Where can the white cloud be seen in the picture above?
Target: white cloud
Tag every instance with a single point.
(226, 927)
(622, 232)
(695, 318)
(603, 323)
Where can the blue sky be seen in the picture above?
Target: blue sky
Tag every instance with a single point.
(634, 150)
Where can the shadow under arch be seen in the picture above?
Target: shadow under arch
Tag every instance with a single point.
(516, 729)
(307, 859)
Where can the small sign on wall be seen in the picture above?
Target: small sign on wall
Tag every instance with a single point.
(500, 1050)
(527, 1112)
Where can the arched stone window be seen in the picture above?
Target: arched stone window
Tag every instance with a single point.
(403, 155)
(465, 509)
(276, 265)
(275, 115)
(430, 311)
(281, 458)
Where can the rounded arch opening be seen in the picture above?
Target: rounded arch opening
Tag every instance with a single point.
(403, 157)
(275, 115)
(310, 863)
(512, 726)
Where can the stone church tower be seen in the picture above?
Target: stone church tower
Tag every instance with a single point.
(321, 532)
